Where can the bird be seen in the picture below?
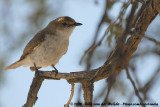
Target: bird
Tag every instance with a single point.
(48, 45)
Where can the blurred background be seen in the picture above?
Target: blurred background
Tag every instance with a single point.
(20, 20)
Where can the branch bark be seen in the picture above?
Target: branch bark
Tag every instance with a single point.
(88, 93)
(34, 88)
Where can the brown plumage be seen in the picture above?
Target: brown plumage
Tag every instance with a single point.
(48, 45)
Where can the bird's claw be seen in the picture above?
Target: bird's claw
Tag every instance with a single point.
(36, 70)
(55, 71)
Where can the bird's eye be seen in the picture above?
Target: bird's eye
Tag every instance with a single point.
(64, 24)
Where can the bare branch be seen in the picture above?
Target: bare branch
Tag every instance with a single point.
(34, 88)
(71, 96)
(147, 87)
(134, 86)
(151, 39)
(110, 81)
(75, 77)
(88, 93)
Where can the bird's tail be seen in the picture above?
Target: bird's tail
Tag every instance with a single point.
(14, 65)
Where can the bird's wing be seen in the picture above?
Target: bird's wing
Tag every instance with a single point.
(35, 42)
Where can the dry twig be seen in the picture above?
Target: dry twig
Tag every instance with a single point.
(134, 86)
(71, 96)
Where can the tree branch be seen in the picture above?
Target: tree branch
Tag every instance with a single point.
(134, 86)
(88, 93)
(34, 88)
(151, 39)
(71, 96)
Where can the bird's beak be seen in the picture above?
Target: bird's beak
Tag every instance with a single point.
(77, 24)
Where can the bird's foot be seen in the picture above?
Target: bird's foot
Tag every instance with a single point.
(55, 70)
(36, 70)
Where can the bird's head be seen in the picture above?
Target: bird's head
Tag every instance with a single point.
(66, 22)
(63, 24)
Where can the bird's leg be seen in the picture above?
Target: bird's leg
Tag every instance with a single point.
(56, 71)
(36, 70)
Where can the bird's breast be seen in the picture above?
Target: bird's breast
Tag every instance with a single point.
(50, 51)
(56, 44)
